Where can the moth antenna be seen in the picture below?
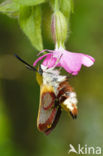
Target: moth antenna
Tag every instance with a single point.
(26, 64)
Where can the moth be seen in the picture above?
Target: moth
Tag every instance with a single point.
(56, 94)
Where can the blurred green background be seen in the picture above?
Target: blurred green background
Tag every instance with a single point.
(19, 91)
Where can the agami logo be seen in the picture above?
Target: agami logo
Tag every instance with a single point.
(85, 150)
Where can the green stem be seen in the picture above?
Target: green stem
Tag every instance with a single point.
(56, 5)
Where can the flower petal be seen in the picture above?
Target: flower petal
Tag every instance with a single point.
(49, 61)
(87, 60)
(72, 62)
(40, 58)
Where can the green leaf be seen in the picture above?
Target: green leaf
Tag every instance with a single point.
(29, 2)
(30, 22)
(9, 8)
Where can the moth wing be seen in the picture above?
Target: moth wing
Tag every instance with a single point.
(47, 110)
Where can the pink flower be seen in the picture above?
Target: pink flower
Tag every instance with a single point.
(71, 62)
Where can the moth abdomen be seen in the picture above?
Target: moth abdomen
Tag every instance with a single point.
(67, 98)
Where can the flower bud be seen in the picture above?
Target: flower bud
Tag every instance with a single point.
(59, 28)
